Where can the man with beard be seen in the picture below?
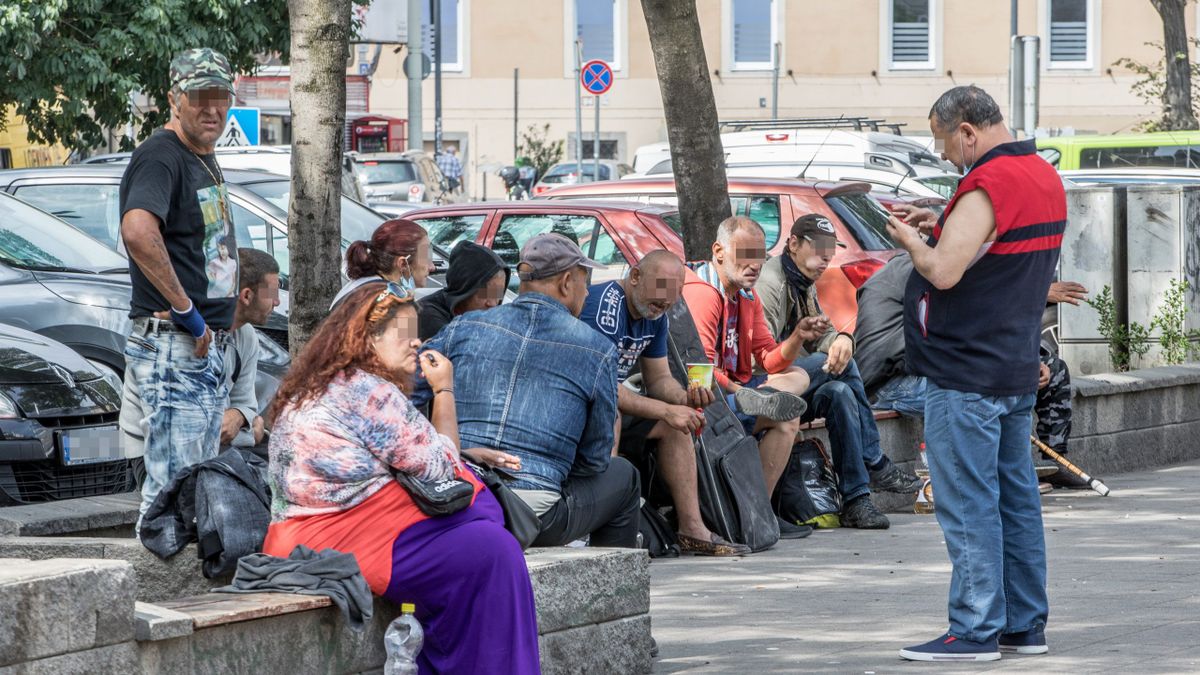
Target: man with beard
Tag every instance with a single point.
(632, 313)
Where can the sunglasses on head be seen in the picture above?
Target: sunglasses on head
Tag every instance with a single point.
(391, 290)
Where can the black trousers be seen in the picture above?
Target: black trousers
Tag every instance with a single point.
(606, 506)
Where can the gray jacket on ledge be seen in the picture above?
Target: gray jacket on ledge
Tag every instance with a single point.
(784, 309)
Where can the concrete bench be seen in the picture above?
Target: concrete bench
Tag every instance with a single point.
(105, 516)
(592, 604)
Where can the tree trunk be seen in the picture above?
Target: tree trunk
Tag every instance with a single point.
(320, 31)
(691, 112)
(1177, 96)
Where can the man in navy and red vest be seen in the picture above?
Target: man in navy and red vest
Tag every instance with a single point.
(972, 320)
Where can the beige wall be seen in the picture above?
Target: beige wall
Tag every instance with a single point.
(832, 49)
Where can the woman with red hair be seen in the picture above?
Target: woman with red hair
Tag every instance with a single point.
(398, 251)
(343, 425)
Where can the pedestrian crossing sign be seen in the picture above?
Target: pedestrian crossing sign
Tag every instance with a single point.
(241, 128)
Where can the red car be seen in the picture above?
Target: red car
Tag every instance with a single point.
(610, 232)
(775, 203)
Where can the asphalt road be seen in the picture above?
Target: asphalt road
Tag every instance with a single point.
(1124, 592)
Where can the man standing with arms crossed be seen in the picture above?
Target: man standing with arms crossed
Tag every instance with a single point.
(972, 322)
(174, 220)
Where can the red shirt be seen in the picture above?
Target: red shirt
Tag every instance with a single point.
(734, 332)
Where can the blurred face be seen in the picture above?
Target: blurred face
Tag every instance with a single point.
(741, 262)
(256, 305)
(418, 265)
(201, 115)
(653, 290)
(487, 297)
(397, 345)
(223, 251)
(956, 145)
(812, 257)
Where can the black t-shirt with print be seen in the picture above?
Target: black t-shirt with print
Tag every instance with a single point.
(169, 180)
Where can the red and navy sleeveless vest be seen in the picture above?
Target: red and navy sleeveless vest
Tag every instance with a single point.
(982, 335)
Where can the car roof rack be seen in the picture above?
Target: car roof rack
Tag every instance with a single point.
(856, 123)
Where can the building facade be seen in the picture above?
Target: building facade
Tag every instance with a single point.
(878, 58)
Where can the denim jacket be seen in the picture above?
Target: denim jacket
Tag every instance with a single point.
(532, 380)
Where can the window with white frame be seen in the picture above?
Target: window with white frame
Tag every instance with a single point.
(1071, 23)
(451, 38)
(910, 31)
(596, 26)
(754, 30)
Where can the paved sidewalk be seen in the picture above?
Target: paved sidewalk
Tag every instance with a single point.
(1124, 592)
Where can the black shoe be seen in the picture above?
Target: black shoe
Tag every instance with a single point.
(773, 404)
(791, 530)
(1067, 480)
(891, 478)
(862, 514)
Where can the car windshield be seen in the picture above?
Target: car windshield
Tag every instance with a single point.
(378, 172)
(567, 173)
(945, 185)
(34, 239)
(358, 221)
(865, 217)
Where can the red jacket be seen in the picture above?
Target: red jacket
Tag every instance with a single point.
(752, 340)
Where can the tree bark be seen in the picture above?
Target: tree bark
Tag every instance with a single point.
(692, 130)
(320, 31)
(1177, 95)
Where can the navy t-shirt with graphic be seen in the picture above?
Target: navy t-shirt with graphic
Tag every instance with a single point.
(607, 312)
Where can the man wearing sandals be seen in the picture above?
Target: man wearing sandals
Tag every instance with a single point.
(632, 313)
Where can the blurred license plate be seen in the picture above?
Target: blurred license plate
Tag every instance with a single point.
(85, 446)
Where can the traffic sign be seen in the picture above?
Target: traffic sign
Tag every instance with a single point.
(241, 128)
(596, 77)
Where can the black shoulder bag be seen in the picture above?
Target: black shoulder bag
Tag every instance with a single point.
(440, 497)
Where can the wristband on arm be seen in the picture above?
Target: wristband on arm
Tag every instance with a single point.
(190, 320)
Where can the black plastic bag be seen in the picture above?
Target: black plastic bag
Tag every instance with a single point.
(807, 492)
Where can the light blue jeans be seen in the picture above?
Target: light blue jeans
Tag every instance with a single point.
(177, 398)
(904, 393)
(987, 502)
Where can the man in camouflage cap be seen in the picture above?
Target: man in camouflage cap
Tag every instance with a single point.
(175, 221)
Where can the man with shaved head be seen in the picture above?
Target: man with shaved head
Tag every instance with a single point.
(632, 313)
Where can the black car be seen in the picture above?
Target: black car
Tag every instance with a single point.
(60, 283)
(58, 424)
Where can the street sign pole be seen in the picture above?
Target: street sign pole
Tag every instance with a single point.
(597, 77)
(595, 145)
(578, 110)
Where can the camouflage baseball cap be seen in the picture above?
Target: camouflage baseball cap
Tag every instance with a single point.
(201, 68)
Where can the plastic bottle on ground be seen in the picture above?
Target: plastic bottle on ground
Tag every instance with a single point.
(403, 641)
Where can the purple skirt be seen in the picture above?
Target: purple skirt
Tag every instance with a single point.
(466, 575)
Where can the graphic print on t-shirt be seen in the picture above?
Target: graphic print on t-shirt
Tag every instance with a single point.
(606, 310)
(220, 246)
(729, 353)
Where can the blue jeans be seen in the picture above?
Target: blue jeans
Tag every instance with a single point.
(987, 502)
(904, 393)
(842, 401)
(176, 399)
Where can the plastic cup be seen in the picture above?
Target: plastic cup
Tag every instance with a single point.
(700, 374)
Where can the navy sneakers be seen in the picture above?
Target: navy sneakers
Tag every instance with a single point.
(1032, 641)
(950, 648)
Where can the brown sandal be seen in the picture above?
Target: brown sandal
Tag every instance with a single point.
(716, 546)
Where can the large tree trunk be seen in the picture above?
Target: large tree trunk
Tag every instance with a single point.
(1177, 96)
(320, 40)
(691, 112)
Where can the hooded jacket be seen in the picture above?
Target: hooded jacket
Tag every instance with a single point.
(471, 266)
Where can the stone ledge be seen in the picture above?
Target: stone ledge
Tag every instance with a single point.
(152, 622)
(1106, 384)
(71, 516)
(621, 646)
(58, 606)
(118, 658)
(581, 586)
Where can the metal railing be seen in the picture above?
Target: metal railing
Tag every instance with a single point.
(855, 123)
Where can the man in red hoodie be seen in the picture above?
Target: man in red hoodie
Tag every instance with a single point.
(729, 317)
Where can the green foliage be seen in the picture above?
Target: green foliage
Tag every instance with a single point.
(1169, 322)
(1152, 87)
(1126, 342)
(69, 65)
(540, 151)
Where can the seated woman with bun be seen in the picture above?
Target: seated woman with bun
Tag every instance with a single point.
(342, 425)
(398, 251)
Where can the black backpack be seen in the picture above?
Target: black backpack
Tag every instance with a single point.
(808, 488)
(657, 535)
